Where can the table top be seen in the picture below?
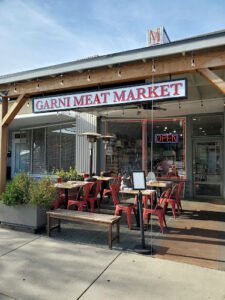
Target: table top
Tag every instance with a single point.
(69, 185)
(158, 183)
(135, 192)
(103, 178)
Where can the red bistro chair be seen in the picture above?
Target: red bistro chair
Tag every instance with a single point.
(107, 192)
(173, 199)
(82, 201)
(58, 203)
(128, 208)
(157, 210)
(92, 199)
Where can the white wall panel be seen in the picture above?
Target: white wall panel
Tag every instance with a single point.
(85, 123)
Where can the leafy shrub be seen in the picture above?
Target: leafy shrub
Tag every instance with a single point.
(42, 192)
(24, 190)
(71, 174)
(17, 190)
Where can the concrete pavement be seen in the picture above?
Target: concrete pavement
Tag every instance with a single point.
(37, 267)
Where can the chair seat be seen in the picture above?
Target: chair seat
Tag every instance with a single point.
(159, 211)
(126, 204)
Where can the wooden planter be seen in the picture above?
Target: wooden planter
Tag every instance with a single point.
(24, 217)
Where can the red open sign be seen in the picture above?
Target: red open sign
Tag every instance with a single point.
(167, 138)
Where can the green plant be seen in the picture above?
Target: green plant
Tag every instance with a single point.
(42, 192)
(24, 190)
(71, 174)
(17, 190)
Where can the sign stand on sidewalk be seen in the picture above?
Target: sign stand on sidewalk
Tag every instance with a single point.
(139, 183)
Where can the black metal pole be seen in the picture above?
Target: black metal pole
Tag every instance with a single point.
(142, 249)
(139, 197)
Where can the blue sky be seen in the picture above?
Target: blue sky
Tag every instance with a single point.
(38, 33)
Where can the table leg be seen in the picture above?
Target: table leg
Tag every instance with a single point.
(59, 225)
(66, 197)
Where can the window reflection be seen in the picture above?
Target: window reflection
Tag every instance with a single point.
(157, 146)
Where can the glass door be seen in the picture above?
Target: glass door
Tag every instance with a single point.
(20, 153)
(208, 168)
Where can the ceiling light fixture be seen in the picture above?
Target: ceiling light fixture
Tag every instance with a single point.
(153, 66)
(61, 81)
(192, 60)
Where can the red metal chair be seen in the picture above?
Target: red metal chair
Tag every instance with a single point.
(117, 182)
(58, 203)
(174, 199)
(92, 199)
(128, 208)
(157, 210)
(81, 201)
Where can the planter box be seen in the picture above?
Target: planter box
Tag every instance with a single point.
(23, 216)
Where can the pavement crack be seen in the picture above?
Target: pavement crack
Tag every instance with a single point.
(112, 261)
(5, 295)
(14, 249)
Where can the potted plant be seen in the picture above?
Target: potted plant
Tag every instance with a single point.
(25, 201)
(71, 174)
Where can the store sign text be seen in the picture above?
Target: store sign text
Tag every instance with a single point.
(164, 138)
(120, 96)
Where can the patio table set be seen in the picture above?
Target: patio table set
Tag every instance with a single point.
(89, 196)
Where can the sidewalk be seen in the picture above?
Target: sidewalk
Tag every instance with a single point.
(37, 267)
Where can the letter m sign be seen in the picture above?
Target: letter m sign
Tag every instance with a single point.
(157, 36)
(154, 37)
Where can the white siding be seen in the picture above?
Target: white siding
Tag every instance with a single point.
(85, 123)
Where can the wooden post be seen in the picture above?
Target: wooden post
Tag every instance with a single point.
(7, 117)
(3, 146)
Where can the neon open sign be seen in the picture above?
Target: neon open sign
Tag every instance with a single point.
(166, 138)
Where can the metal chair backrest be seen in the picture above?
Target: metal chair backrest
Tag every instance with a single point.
(114, 192)
(96, 188)
(166, 194)
(87, 190)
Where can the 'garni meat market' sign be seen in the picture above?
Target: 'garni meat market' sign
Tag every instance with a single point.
(175, 89)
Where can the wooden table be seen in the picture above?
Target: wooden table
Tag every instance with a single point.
(72, 215)
(159, 185)
(135, 192)
(104, 180)
(69, 185)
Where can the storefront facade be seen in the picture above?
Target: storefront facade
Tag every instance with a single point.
(163, 105)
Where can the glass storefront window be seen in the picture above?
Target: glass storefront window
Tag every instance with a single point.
(157, 146)
(68, 146)
(126, 149)
(60, 143)
(38, 151)
(207, 125)
(168, 153)
(45, 149)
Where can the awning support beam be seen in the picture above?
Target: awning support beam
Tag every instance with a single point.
(213, 78)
